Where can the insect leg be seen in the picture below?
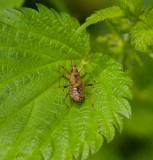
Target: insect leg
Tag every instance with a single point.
(91, 85)
(67, 71)
(64, 77)
(65, 87)
(60, 80)
(66, 96)
(84, 75)
(79, 70)
(87, 73)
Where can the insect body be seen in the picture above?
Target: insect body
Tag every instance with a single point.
(76, 86)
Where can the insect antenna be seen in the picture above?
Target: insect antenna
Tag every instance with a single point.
(72, 61)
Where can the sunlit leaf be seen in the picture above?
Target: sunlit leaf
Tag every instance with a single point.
(37, 121)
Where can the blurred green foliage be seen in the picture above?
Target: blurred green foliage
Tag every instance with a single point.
(10, 4)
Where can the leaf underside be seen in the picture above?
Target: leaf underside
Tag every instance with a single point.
(37, 121)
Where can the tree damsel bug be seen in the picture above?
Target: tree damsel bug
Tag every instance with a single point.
(76, 85)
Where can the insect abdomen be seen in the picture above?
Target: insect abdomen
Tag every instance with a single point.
(77, 93)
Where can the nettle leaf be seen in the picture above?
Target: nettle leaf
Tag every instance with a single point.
(111, 12)
(130, 6)
(142, 32)
(37, 121)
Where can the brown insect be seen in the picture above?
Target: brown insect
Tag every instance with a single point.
(76, 86)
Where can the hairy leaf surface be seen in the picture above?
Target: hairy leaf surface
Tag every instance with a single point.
(142, 32)
(130, 6)
(111, 12)
(37, 121)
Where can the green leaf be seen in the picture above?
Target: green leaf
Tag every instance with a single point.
(142, 33)
(37, 121)
(10, 4)
(111, 12)
(130, 6)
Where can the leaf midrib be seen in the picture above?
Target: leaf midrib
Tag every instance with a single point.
(51, 132)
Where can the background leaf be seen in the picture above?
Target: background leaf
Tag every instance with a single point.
(35, 122)
(111, 12)
(130, 6)
(142, 32)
